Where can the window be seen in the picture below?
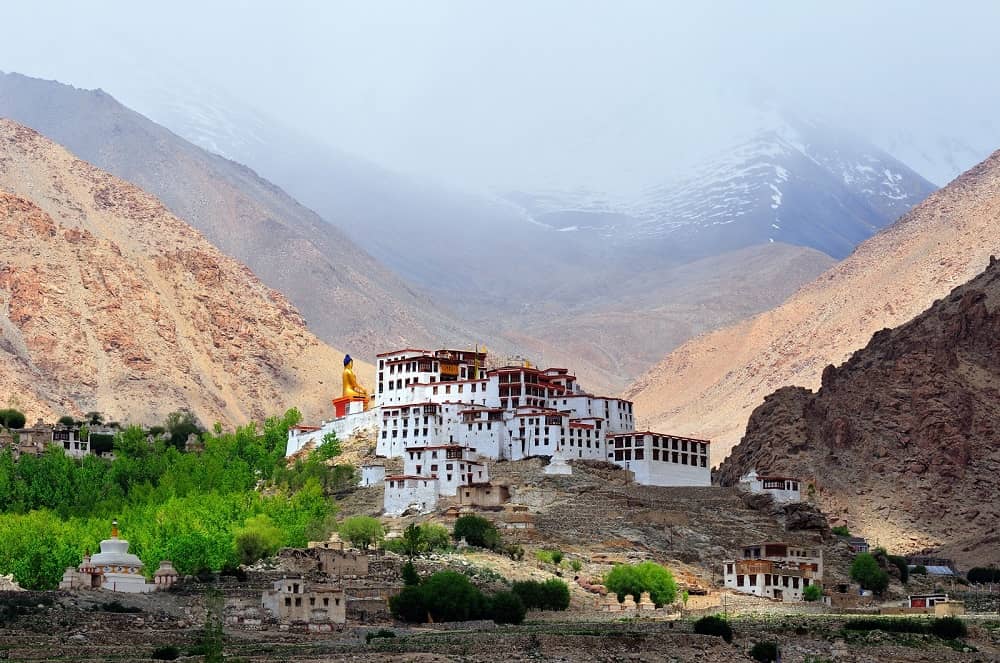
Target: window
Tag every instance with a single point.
(326, 601)
(288, 602)
(753, 579)
(739, 581)
(298, 601)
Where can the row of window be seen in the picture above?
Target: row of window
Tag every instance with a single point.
(627, 441)
(771, 580)
(664, 456)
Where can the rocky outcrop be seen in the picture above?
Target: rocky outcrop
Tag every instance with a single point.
(902, 441)
(709, 386)
(109, 302)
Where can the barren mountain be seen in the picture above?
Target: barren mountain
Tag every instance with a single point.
(349, 298)
(902, 442)
(708, 386)
(109, 302)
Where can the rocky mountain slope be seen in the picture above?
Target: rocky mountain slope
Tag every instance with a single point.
(903, 440)
(109, 302)
(349, 298)
(708, 386)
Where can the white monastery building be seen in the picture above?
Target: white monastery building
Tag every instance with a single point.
(775, 570)
(446, 414)
(782, 489)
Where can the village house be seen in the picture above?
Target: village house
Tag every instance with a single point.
(779, 571)
(781, 489)
(372, 474)
(858, 544)
(293, 601)
(68, 437)
(333, 558)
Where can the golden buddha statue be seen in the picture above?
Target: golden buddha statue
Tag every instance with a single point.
(352, 389)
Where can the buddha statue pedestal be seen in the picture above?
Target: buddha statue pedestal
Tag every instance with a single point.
(346, 405)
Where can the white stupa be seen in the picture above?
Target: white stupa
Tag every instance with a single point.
(121, 571)
(117, 570)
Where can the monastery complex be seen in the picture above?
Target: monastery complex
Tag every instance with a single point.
(448, 415)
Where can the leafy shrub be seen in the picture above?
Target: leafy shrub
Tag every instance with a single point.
(544, 556)
(576, 565)
(841, 530)
(381, 633)
(919, 570)
(714, 625)
(258, 538)
(477, 531)
(635, 579)
(507, 608)
(866, 571)
(410, 576)
(557, 557)
(409, 605)
(362, 531)
(553, 594)
(765, 652)
(166, 653)
(982, 575)
(515, 552)
(116, 606)
(446, 596)
(887, 625)
(812, 593)
(949, 628)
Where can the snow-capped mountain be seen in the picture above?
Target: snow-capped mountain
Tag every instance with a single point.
(794, 182)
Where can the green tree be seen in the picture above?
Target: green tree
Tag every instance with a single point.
(644, 577)
(812, 593)
(180, 425)
(451, 597)
(258, 538)
(507, 608)
(362, 531)
(94, 418)
(841, 530)
(477, 531)
(764, 652)
(412, 540)
(866, 572)
(434, 536)
(329, 448)
(12, 419)
(410, 575)
(66, 420)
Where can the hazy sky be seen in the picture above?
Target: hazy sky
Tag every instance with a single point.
(533, 93)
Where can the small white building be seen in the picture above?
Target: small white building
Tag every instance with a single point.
(656, 459)
(404, 492)
(781, 489)
(372, 474)
(775, 570)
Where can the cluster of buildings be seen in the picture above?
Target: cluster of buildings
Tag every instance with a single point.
(778, 571)
(445, 413)
(34, 440)
(322, 587)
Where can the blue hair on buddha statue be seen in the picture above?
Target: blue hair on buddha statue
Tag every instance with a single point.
(347, 360)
